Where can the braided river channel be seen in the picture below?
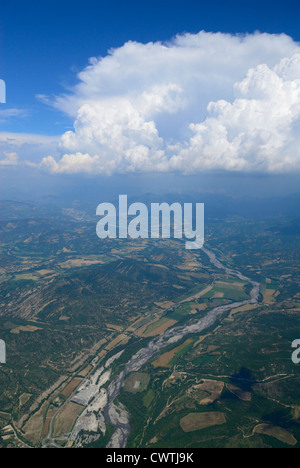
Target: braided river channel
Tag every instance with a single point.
(115, 413)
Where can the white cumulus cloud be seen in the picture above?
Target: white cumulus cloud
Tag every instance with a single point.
(25, 148)
(200, 102)
(10, 159)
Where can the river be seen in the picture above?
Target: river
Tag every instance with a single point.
(173, 335)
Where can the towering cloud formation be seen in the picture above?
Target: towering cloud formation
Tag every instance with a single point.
(200, 102)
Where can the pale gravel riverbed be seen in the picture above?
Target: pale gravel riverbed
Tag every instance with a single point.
(173, 335)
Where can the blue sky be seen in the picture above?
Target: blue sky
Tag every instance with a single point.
(44, 43)
(53, 86)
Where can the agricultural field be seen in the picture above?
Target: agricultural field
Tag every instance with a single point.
(136, 382)
(71, 306)
(197, 421)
